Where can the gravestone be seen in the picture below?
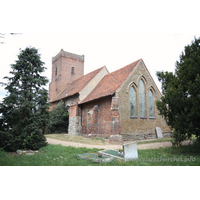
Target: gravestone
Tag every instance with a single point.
(130, 151)
(159, 132)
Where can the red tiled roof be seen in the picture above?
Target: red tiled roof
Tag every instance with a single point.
(75, 86)
(110, 83)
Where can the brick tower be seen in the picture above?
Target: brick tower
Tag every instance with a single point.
(66, 67)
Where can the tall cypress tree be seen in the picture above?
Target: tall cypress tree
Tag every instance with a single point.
(24, 109)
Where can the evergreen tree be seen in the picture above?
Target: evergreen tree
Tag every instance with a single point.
(24, 109)
(59, 119)
(180, 103)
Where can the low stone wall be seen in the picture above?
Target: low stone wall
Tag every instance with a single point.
(136, 136)
(166, 134)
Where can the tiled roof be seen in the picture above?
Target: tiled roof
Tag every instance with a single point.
(75, 86)
(110, 83)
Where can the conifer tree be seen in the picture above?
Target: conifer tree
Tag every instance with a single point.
(24, 109)
(180, 103)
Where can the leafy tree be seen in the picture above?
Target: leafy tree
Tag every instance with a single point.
(59, 119)
(180, 103)
(24, 109)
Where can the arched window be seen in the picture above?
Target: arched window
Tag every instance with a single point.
(151, 104)
(142, 99)
(132, 102)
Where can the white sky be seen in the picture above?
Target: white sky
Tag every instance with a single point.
(115, 50)
(107, 32)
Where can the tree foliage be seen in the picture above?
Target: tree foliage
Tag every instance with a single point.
(24, 109)
(59, 119)
(180, 103)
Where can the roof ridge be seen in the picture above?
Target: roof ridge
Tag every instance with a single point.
(74, 82)
(87, 74)
(107, 77)
(125, 66)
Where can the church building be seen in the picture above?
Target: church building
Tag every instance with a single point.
(102, 104)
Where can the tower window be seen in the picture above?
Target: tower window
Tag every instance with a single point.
(56, 71)
(72, 72)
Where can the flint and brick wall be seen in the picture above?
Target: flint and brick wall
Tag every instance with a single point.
(74, 120)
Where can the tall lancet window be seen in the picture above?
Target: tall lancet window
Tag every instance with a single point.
(151, 104)
(142, 99)
(132, 102)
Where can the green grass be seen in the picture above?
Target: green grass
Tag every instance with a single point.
(57, 155)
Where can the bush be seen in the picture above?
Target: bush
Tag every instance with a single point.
(59, 119)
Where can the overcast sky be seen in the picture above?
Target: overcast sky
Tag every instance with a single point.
(111, 33)
(115, 50)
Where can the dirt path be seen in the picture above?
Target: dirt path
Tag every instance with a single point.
(139, 146)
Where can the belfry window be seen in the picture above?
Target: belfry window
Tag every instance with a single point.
(142, 99)
(56, 71)
(132, 98)
(72, 72)
(151, 104)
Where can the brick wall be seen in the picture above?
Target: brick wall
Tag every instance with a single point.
(96, 117)
(139, 126)
(61, 71)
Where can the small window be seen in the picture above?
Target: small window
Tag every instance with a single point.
(72, 72)
(151, 104)
(132, 102)
(142, 99)
(56, 71)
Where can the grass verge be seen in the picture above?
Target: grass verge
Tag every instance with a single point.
(57, 155)
(78, 139)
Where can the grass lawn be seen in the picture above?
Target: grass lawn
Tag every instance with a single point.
(57, 155)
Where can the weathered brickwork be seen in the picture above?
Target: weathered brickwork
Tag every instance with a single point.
(136, 127)
(101, 117)
(62, 72)
(96, 117)
(115, 119)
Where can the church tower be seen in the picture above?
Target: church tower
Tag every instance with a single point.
(66, 67)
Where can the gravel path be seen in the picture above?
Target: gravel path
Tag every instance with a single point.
(110, 146)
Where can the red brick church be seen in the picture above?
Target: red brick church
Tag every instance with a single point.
(102, 103)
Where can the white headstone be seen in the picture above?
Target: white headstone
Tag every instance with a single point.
(130, 151)
(159, 132)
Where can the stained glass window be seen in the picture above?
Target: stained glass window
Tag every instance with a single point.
(151, 104)
(133, 102)
(142, 99)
